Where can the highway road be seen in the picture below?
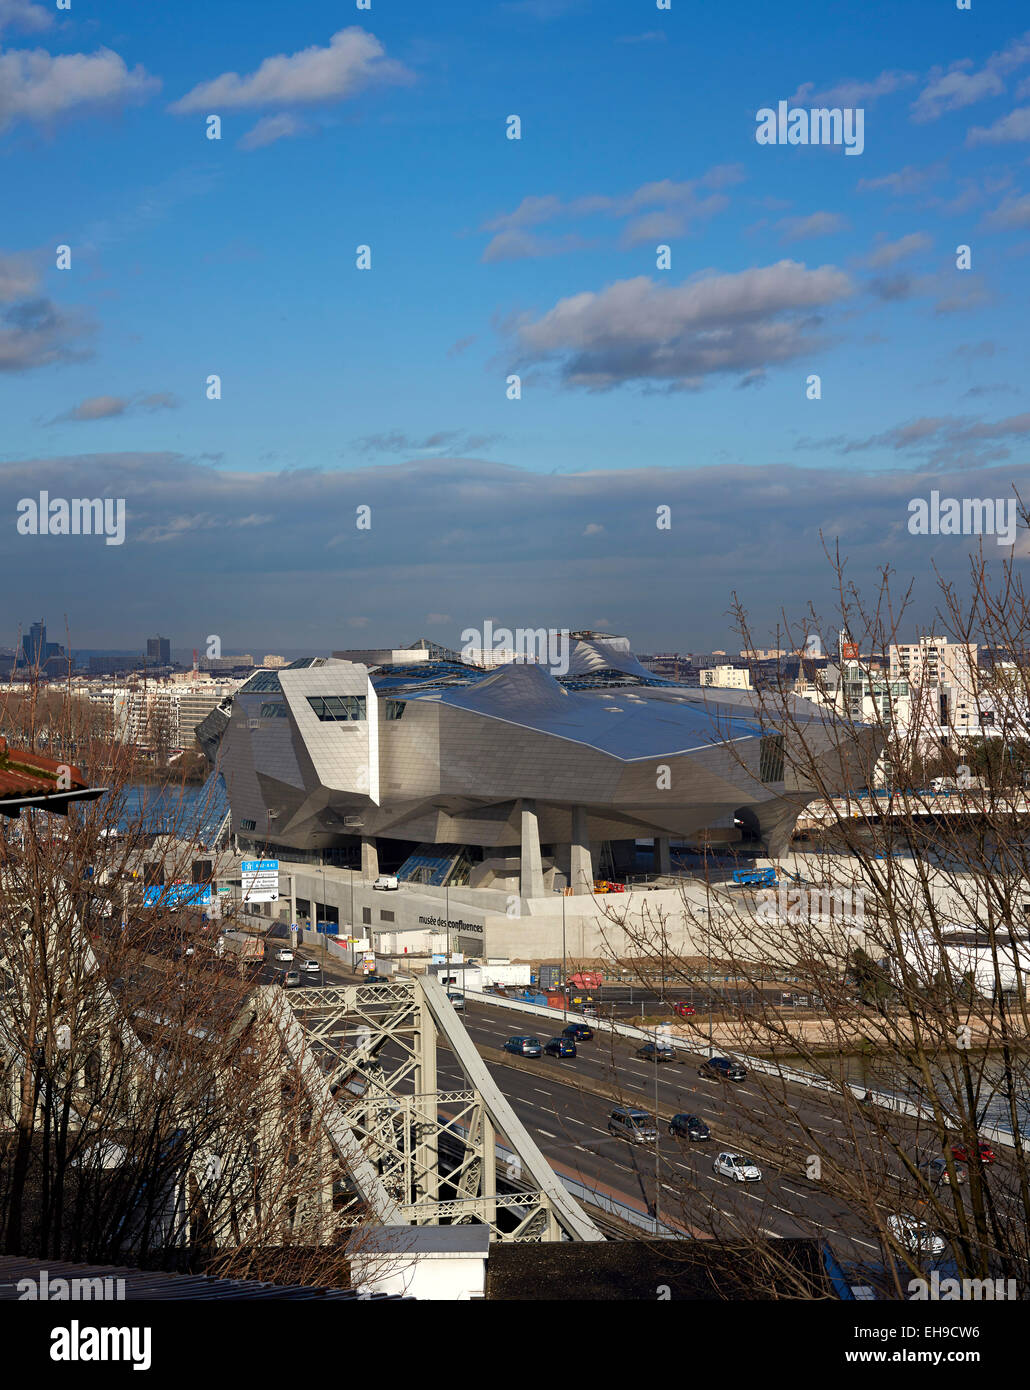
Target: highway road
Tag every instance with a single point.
(570, 1126)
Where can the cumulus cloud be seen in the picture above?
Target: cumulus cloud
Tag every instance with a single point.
(272, 128)
(948, 440)
(888, 253)
(25, 16)
(962, 84)
(637, 330)
(518, 245)
(1012, 213)
(353, 61)
(397, 442)
(109, 407)
(659, 208)
(853, 92)
(35, 333)
(1014, 126)
(815, 224)
(905, 182)
(36, 86)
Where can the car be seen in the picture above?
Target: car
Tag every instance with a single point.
(684, 1010)
(284, 954)
(311, 967)
(738, 1167)
(657, 1052)
(524, 1047)
(689, 1127)
(457, 1000)
(376, 980)
(589, 1011)
(915, 1235)
(960, 1153)
(386, 883)
(937, 1171)
(560, 1047)
(291, 979)
(721, 1069)
(578, 1032)
(626, 1122)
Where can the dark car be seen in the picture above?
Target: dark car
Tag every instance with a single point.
(689, 1127)
(524, 1047)
(657, 1052)
(376, 980)
(578, 1032)
(960, 1153)
(721, 1069)
(560, 1047)
(937, 1171)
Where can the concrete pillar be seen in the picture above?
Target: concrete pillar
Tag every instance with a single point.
(531, 877)
(662, 857)
(369, 858)
(581, 869)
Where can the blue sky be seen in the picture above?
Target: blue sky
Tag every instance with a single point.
(490, 256)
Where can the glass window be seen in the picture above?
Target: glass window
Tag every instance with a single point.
(274, 709)
(394, 709)
(771, 758)
(336, 709)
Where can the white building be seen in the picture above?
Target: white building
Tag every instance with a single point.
(727, 677)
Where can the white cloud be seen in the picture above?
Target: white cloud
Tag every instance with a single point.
(1014, 126)
(23, 14)
(272, 128)
(854, 92)
(353, 61)
(961, 84)
(639, 330)
(815, 224)
(890, 252)
(36, 86)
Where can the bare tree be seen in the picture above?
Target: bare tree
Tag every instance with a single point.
(901, 923)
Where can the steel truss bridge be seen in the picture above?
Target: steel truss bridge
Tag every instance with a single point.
(412, 1154)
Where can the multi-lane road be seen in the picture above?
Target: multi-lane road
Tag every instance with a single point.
(569, 1124)
(565, 1103)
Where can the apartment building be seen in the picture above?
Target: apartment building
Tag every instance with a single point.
(727, 677)
(934, 661)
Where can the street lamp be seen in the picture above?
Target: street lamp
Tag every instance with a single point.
(325, 924)
(657, 1145)
(564, 967)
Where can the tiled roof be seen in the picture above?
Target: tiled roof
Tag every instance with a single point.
(24, 774)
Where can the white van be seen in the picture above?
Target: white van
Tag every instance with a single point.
(386, 882)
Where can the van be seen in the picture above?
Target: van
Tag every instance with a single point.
(386, 883)
(625, 1122)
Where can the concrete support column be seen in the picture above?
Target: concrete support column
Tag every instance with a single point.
(662, 857)
(581, 869)
(531, 877)
(369, 858)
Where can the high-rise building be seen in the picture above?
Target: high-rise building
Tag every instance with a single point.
(159, 651)
(36, 651)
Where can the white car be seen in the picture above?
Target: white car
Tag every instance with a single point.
(916, 1236)
(386, 883)
(738, 1167)
(284, 953)
(312, 967)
